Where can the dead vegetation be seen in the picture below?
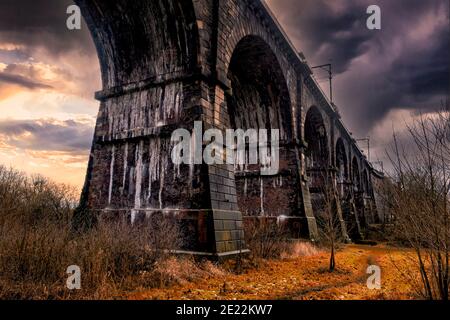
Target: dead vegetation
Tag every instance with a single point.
(37, 245)
(265, 239)
(300, 277)
(419, 200)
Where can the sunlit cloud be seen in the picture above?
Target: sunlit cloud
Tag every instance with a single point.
(69, 136)
(57, 149)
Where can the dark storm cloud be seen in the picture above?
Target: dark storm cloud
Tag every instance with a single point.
(425, 74)
(418, 80)
(378, 71)
(41, 23)
(324, 31)
(24, 82)
(47, 135)
(396, 73)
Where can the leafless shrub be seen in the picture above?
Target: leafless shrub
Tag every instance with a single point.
(327, 217)
(420, 202)
(37, 244)
(34, 199)
(265, 239)
(300, 249)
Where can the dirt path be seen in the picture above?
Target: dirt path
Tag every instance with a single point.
(297, 278)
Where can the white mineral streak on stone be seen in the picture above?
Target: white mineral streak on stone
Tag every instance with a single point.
(177, 166)
(278, 181)
(170, 103)
(133, 216)
(261, 195)
(245, 187)
(139, 167)
(125, 167)
(111, 174)
(162, 180)
(177, 105)
(192, 159)
(151, 169)
(110, 119)
(155, 153)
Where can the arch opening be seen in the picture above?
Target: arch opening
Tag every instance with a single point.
(358, 192)
(139, 39)
(342, 168)
(356, 177)
(317, 151)
(260, 99)
(366, 183)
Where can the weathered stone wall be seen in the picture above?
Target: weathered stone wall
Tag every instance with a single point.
(226, 63)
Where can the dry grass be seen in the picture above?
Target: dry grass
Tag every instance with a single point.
(37, 245)
(118, 260)
(300, 249)
(304, 277)
(265, 239)
(113, 257)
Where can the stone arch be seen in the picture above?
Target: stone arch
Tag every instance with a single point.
(242, 24)
(365, 182)
(356, 175)
(316, 138)
(342, 171)
(317, 166)
(259, 99)
(139, 39)
(257, 82)
(358, 194)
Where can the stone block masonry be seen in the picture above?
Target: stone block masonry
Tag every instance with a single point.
(228, 64)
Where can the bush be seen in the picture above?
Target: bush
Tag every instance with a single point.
(37, 244)
(300, 249)
(265, 239)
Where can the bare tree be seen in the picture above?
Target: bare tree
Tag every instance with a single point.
(328, 217)
(420, 200)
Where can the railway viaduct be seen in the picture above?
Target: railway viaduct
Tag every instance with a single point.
(227, 63)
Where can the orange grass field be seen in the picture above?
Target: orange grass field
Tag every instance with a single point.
(300, 277)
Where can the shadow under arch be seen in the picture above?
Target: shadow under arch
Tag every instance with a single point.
(140, 39)
(259, 99)
(317, 151)
(358, 199)
(342, 175)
